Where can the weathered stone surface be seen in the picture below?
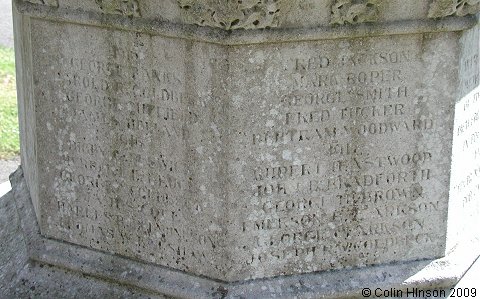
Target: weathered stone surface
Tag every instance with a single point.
(249, 14)
(443, 8)
(243, 154)
(21, 277)
(44, 2)
(350, 12)
(294, 161)
(120, 7)
(464, 206)
(27, 271)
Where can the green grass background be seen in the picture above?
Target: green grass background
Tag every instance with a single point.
(9, 137)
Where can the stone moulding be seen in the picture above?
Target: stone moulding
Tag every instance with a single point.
(262, 14)
(158, 280)
(243, 37)
(460, 8)
(53, 3)
(354, 12)
(127, 8)
(233, 14)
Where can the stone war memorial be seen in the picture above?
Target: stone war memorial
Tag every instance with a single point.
(243, 149)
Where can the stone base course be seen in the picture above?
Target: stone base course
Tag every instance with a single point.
(38, 267)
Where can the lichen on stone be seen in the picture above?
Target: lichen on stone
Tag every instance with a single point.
(354, 11)
(444, 8)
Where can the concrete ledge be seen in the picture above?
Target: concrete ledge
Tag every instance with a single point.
(437, 274)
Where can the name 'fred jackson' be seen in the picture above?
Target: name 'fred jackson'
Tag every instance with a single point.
(354, 59)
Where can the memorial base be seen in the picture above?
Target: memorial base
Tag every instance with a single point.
(34, 266)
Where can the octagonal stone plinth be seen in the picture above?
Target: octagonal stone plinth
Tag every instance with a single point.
(250, 140)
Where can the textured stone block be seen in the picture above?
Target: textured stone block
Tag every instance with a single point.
(249, 139)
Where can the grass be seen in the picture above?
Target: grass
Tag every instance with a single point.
(9, 135)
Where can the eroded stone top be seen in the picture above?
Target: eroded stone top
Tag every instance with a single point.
(265, 14)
